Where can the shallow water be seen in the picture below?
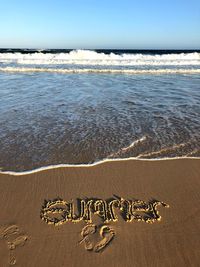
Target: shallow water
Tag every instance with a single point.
(52, 118)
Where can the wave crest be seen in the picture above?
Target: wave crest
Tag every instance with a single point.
(89, 57)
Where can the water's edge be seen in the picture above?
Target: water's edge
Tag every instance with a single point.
(44, 168)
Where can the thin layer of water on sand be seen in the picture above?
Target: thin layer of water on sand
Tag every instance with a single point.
(83, 118)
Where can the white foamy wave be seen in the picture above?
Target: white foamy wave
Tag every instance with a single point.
(125, 149)
(106, 71)
(87, 57)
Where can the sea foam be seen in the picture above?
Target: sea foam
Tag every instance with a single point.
(88, 57)
(106, 71)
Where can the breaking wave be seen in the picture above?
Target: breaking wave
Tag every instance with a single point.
(88, 57)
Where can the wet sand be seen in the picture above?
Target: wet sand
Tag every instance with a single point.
(169, 240)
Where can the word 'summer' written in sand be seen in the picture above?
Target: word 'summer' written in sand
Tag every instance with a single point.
(59, 211)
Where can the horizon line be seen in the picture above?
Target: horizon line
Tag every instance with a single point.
(136, 49)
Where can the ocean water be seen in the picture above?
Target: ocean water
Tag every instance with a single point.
(83, 106)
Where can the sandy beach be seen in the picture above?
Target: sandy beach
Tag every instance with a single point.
(169, 238)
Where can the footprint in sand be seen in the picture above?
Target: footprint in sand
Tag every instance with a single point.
(14, 239)
(106, 233)
(86, 231)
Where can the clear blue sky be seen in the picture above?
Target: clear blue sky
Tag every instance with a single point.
(100, 23)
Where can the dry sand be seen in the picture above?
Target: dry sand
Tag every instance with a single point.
(172, 241)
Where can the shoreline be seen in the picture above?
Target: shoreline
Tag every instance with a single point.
(57, 166)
